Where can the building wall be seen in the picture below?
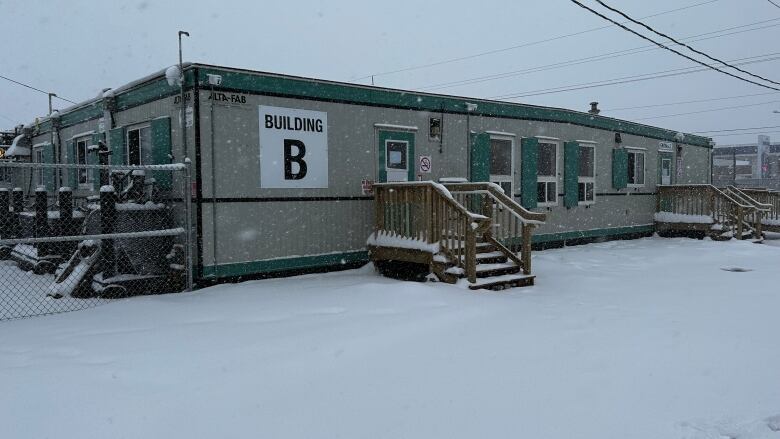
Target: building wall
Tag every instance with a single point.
(248, 227)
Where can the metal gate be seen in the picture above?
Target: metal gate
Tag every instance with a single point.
(75, 236)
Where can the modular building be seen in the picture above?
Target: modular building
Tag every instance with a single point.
(283, 166)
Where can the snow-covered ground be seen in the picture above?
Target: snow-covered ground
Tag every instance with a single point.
(631, 339)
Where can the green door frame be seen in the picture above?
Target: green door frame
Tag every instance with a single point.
(385, 136)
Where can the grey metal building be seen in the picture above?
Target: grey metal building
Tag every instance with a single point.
(283, 165)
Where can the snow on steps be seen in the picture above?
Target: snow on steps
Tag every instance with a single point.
(502, 282)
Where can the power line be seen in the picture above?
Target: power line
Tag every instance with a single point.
(663, 35)
(696, 101)
(594, 58)
(745, 134)
(776, 5)
(633, 78)
(670, 49)
(518, 46)
(36, 89)
(736, 129)
(709, 110)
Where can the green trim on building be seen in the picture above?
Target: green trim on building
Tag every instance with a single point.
(571, 170)
(401, 136)
(265, 83)
(285, 264)
(309, 88)
(480, 157)
(162, 150)
(529, 155)
(619, 168)
(593, 233)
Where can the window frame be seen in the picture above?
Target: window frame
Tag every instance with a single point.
(548, 179)
(631, 150)
(138, 128)
(586, 180)
(504, 178)
(387, 156)
(37, 157)
(87, 140)
(431, 136)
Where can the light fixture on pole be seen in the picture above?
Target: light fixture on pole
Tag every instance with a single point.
(51, 95)
(183, 104)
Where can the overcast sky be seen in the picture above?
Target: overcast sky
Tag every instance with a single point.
(77, 47)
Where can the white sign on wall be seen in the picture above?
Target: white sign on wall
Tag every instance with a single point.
(424, 166)
(293, 148)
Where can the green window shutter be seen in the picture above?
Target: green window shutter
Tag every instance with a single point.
(48, 174)
(74, 173)
(480, 157)
(619, 168)
(161, 150)
(92, 159)
(529, 155)
(116, 142)
(571, 170)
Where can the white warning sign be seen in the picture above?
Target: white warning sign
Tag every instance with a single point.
(293, 148)
(425, 164)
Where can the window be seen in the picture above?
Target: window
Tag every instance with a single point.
(547, 174)
(397, 155)
(586, 176)
(636, 168)
(82, 149)
(139, 142)
(38, 158)
(501, 163)
(435, 128)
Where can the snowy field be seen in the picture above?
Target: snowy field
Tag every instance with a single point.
(630, 339)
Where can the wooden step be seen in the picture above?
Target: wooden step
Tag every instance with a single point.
(494, 257)
(487, 270)
(503, 282)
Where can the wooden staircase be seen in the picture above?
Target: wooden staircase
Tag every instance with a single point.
(720, 213)
(469, 231)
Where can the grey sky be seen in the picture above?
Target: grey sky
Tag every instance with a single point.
(75, 48)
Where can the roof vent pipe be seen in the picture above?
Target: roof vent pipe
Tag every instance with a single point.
(594, 108)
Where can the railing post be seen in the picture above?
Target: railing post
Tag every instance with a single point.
(740, 218)
(379, 216)
(471, 252)
(758, 232)
(525, 251)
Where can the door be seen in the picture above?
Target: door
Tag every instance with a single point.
(666, 171)
(501, 164)
(396, 156)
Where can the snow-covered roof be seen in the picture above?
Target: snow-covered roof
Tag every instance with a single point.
(16, 150)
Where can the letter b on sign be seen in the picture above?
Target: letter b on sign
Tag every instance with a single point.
(293, 155)
(290, 158)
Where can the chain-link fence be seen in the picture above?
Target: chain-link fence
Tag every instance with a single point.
(74, 236)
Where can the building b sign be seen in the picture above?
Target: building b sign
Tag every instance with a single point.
(293, 148)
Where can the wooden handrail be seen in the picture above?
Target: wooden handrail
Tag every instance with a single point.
(499, 196)
(426, 212)
(743, 196)
(724, 206)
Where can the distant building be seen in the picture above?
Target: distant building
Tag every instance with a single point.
(747, 163)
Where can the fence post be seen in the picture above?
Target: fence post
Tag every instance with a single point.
(107, 222)
(66, 223)
(41, 219)
(5, 213)
(188, 221)
(17, 202)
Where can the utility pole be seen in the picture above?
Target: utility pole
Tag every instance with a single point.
(51, 95)
(183, 104)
